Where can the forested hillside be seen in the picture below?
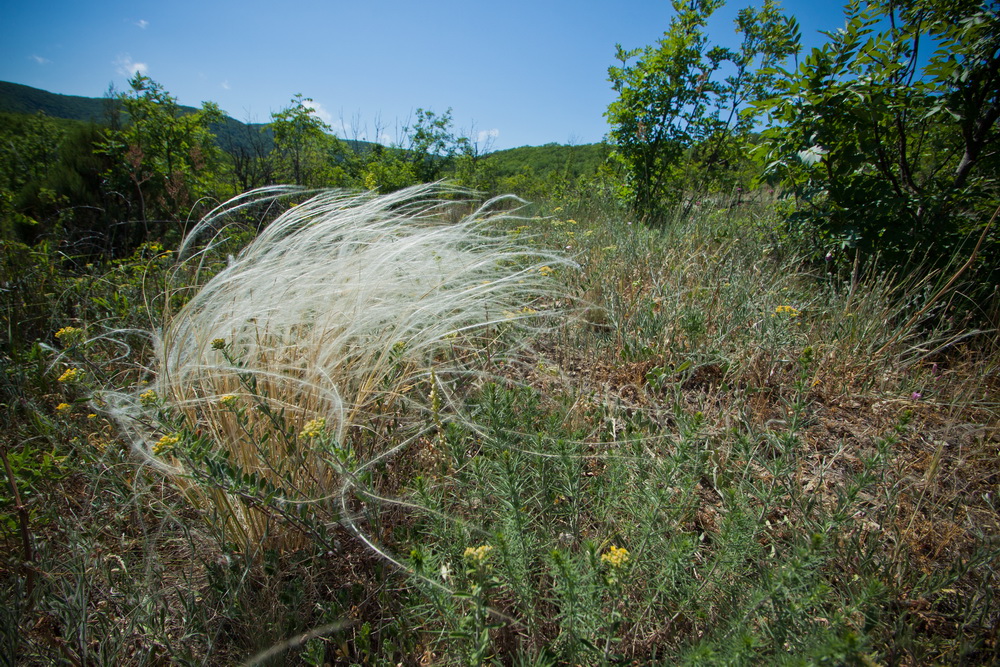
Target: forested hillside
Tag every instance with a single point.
(18, 99)
(241, 139)
(724, 389)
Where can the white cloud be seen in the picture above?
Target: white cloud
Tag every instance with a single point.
(320, 112)
(225, 85)
(40, 60)
(142, 23)
(487, 135)
(128, 67)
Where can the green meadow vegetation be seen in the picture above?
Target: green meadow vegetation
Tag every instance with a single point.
(722, 390)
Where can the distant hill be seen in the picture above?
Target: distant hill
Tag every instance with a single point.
(18, 98)
(571, 161)
(15, 98)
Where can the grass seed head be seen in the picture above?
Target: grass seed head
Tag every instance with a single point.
(335, 309)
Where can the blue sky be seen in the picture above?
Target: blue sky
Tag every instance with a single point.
(514, 72)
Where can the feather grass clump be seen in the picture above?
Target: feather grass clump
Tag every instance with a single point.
(344, 306)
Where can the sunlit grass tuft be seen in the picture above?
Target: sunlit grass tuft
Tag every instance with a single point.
(338, 312)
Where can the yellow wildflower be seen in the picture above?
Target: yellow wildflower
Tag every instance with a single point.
(786, 310)
(148, 398)
(71, 334)
(313, 428)
(71, 375)
(218, 343)
(479, 554)
(227, 400)
(615, 556)
(546, 270)
(63, 407)
(524, 310)
(165, 443)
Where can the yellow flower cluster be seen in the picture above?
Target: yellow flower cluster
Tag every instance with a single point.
(165, 443)
(526, 310)
(227, 400)
(63, 407)
(546, 270)
(478, 554)
(148, 398)
(218, 343)
(615, 556)
(313, 428)
(786, 310)
(71, 375)
(71, 334)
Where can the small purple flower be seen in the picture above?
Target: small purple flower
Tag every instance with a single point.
(829, 257)
(916, 396)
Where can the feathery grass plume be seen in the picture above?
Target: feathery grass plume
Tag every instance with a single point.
(336, 311)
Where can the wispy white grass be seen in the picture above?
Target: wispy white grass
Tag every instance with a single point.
(342, 302)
